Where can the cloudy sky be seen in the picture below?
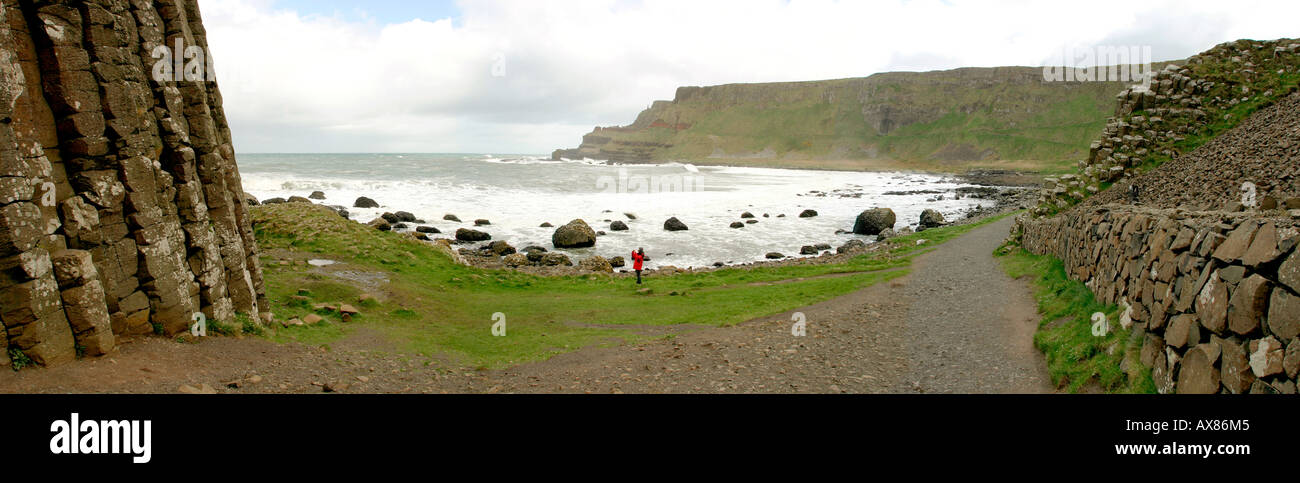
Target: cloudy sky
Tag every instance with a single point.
(529, 76)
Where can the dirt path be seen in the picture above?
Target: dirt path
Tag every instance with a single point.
(956, 323)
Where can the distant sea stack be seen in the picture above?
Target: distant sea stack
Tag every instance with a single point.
(968, 114)
(121, 207)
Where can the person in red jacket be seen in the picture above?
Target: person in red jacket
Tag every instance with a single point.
(638, 256)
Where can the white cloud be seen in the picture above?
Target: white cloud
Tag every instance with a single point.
(314, 83)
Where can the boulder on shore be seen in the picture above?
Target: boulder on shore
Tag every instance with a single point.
(737, 224)
(596, 264)
(482, 222)
(576, 234)
(451, 217)
(515, 260)
(380, 224)
(501, 248)
(852, 246)
(618, 226)
(405, 216)
(775, 256)
(427, 229)
(673, 224)
(931, 219)
(468, 235)
(874, 221)
(746, 215)
(807, 214)
(364, 202)
(554, 260)
(617, 262)
(317, 195)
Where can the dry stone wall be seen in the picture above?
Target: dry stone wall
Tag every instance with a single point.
(1215, 296)
(121, 206)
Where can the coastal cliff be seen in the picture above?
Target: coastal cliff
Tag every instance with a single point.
(121, 206)
(950, 118)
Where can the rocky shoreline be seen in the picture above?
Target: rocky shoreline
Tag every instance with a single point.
(475, 247)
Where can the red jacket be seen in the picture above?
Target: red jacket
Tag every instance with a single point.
(636, 260)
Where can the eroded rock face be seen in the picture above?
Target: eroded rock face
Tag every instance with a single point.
(121, 207)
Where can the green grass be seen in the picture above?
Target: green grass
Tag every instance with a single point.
(1076, 357)
(435, 308)
(918, 119)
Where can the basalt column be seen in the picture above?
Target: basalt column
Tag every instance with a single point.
(119, 191)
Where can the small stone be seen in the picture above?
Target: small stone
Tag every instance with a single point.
(312, 319)
(1266, 357)
(201, 389)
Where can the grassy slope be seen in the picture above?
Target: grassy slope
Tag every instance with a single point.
(1048, 124)
(1076, 357)
(435, 307)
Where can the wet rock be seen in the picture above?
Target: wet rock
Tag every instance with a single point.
(317, 195)
(808, 250)
(363, 202)
(618, 226)
(482, 222)
(468, 235)
(380, 224)
(931, 219)
(576, 234)
(450, 217)
(737, 224)
(617, 262)
(746, 215)
(673, 224)
(427, 229)
(775, 256)
(874, 221)
(804, 214)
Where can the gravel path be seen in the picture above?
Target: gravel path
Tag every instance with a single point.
(970, 328)
(956, 323)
